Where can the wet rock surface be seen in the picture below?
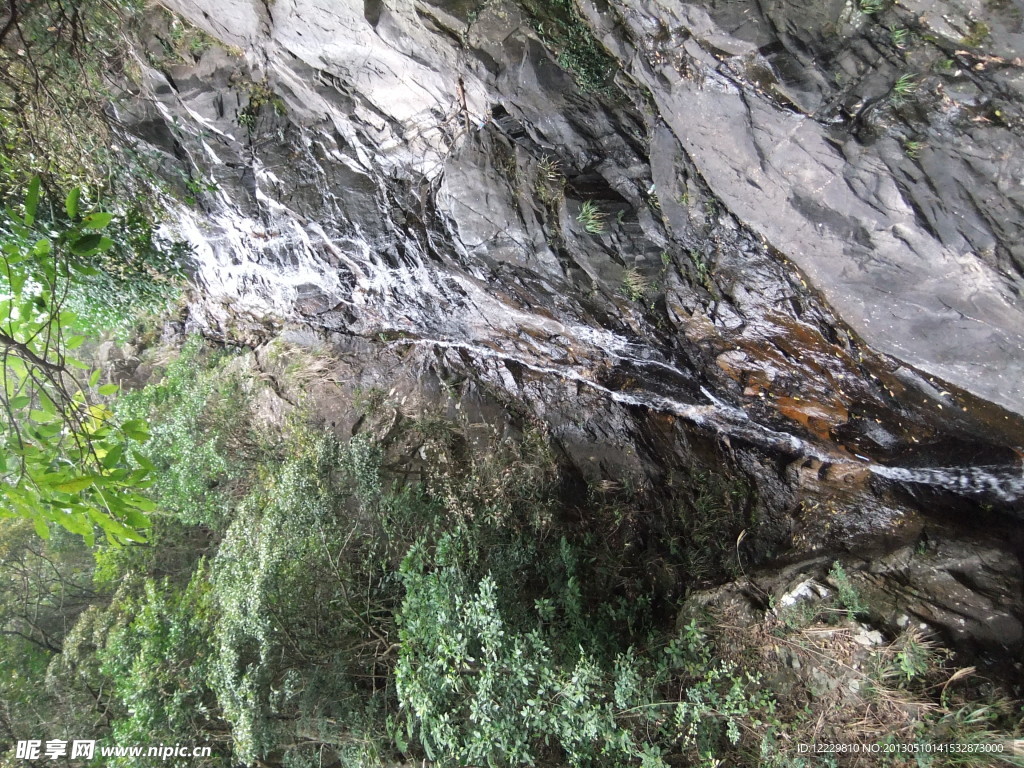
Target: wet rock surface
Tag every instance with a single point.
(771, 239)
(846, 207)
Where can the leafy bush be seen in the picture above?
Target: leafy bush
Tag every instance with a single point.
(478, 688)
(198, 410)
(301, 584)
(63, 456)
(157, 660)
(476, 691)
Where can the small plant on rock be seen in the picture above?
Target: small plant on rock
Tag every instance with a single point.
(635, 284)
(591, 217)
(847, 595)
(978, 33)
(900, 36)
(260, 95)
(700, 265)
(903, 88)
(913, 148)
(550, 182)
(551, 169)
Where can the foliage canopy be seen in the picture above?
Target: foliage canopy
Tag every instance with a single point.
(64, 458)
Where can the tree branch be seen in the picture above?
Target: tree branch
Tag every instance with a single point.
(23, 351)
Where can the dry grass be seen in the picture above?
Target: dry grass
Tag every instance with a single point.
(832, 688)
(304, 366)
(550, 186)
(634, 284)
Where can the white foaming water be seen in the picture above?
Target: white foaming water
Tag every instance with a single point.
(1003, 484)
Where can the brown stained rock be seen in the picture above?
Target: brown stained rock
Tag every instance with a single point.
(818, 418)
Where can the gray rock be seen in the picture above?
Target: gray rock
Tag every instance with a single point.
(970, 592)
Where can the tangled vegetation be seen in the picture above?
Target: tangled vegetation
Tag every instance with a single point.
(58, 63)
(299, 604)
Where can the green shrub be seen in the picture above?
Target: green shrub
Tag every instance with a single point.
(479, 688)
(477, 691)
(302, 588)
(157, 661)
(201, 445)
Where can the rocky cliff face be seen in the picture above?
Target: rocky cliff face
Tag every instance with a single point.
(782, 239)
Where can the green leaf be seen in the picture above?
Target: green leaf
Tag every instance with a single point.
(32, 201)
(147, 505)
(115, 530)
(137, 479)
(97, 220)
(46, 403)
(95, 377)
(137, 519)
(46, 431)
(71, 202)
(113, 457)
(143, 461)
(108, 389)
(19, 402)
(41, 529)
(77, 523)
(136, 429)
(74, 342)
(84, 245)
(41, 417)
(17, 282)
(42, 247)
(74, 486)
